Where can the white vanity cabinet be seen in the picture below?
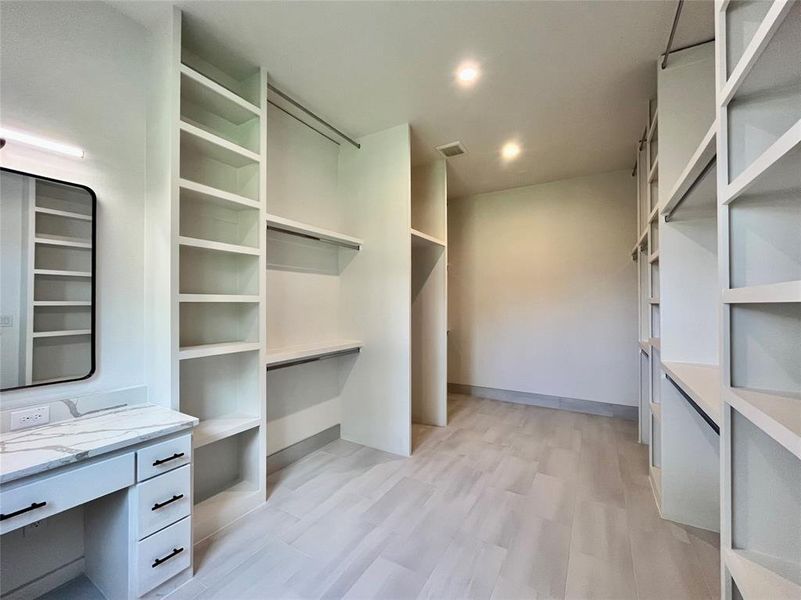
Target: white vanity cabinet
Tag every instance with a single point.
(136, 495)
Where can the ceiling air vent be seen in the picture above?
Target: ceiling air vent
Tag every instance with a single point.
(451, 150)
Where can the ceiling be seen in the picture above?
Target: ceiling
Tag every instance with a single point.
(568, 80)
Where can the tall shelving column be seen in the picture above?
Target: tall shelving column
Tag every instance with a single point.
(221, 284)
(759, 212)
(639, 255)
(429, 274)
(651, 174)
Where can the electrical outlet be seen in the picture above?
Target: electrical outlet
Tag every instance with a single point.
(30, 417)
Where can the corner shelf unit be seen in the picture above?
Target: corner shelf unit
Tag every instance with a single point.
(759, 146)
(216, 277)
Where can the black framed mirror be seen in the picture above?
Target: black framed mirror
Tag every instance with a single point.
(47, 280)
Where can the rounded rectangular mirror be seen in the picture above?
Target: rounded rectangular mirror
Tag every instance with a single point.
(47, 280)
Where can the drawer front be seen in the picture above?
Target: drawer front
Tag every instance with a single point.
(165, 456)
(54, 494)
(163, 500)
(164, 555)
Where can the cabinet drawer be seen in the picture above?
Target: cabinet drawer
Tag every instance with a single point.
(163, 500)
(48, 496)
(163, 555)
(165, 456)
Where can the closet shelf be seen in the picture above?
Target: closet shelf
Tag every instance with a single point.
(643, 238)
(655, 342)
(214, 513)
(61, 273)
(653, 300)
(701, 383)
(216, 147)
(656, 410)
(284, 225)
(653, 215)
(62, 333)
(423, 239)
(62, 303)
(233, 298)
(653, 174)
(212, 430)
(774, 171)
(218, 246)
(697, 184)
(60, 240)
(62, 213)
(654, 257)
(787, 291)
(645, 346)
(203, 350)
(198, 191)
(652, 125)
(215, 98)
(762, 36)
(297, 354)
(755, 581)
(778, 416)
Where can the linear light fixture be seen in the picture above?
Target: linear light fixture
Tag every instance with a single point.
(42, 143)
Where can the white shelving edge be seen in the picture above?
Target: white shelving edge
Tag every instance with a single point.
(280, 356)
(701, 383)
(62, 213)
(218, 89)
(203, 350)
(57, 240)
(60, 273)
(653, 257)
(755, 582)
(653, 174)
(218, 246)
(326, 235)
(212, 430)
(705, 152)
(233, 298)
(61, 303)
(216, 194)
(61, 333)
(778, 416)
(219, 142)
(424, 238)
(787, 291)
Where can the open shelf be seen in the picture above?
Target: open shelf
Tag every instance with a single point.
(212, 430)
(62, 273)
(63, 213)
(216, 147)
(655, 342)
(645, 346)
(212, 298)
(63, 333)
(193, 190)
(58, 240)
(653, 257)
(62, 303)
(776, 415)
(218, 246)
(653, 301)
(775, 171)
(696, 186)
(653, 174)
(291, 227)
(423, 239)
(699, 382)
(656, 409)
(284, 356)
(216, 98)
(204, 350)
(217, 511)
(754, 581)
(788, 291)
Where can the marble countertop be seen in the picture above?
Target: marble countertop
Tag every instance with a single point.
(30, 451)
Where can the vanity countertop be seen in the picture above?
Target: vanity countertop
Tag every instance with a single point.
(30, 451)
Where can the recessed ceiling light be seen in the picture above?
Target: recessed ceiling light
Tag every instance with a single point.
(467, 74)
(510, 150)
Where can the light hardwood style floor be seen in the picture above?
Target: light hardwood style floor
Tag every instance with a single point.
(508, 501)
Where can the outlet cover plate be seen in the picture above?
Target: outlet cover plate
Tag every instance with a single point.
(30, 417)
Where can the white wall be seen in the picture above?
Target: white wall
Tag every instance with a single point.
(75, 72)
(542, 289)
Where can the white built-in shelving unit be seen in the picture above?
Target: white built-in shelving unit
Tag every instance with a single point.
(759, 212)
(429, 275)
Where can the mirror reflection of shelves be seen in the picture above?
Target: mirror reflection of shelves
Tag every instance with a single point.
(760, 98)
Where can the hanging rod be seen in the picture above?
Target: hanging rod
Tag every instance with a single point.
(715, 427)
(695, 184)
(315, 238)
(299, 120)
(673, 28)
(303, 361)
(314, 116)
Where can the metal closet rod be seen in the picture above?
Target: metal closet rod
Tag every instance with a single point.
(314, 116)
(695, 183)
(303, 361)
(673, 28)
(715, 427)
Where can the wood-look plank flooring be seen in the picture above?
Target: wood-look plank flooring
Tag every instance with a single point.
(507, 501)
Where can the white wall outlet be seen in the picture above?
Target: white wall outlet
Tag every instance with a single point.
(30, 417)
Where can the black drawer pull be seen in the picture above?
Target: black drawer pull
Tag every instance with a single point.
(175, 552)
(161, 461)
(33, 506)
(159, 505)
